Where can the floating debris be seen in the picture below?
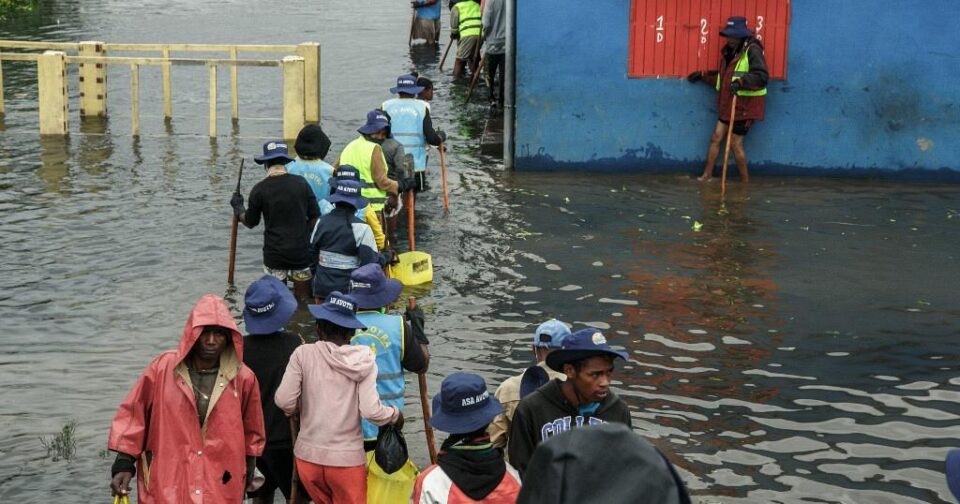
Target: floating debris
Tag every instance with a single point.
(569, 287)
(553, 267)
(597, 263)
(627, 302)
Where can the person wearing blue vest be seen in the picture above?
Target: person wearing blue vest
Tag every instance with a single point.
(398, 342)
(426, 25)
(312, 146)
(411, 125)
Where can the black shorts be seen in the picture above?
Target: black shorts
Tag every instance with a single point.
(277, 469)
(740, 128)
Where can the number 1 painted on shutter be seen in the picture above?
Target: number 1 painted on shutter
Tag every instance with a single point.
(659, 29)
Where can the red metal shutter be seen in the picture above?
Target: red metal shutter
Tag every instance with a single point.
(671, 38)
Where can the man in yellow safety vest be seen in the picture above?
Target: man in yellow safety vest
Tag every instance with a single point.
(465, 26)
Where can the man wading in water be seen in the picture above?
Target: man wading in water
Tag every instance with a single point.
(289, 209)
(192, 425)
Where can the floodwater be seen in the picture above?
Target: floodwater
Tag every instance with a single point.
(794, 345)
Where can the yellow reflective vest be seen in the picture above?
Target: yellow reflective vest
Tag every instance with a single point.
(742, 68)
(470, 22)
(358, 154)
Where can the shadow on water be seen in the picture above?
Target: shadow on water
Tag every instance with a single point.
(798, 346)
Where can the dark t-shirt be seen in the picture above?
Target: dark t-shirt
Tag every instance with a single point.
(287, 205)
(267, 356)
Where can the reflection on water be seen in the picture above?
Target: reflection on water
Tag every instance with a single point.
(796, 346)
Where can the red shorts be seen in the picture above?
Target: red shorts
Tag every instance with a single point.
(328, 484)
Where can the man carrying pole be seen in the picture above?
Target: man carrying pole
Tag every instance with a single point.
(743, 73)
(465, 27)
(289, 210)
(426, 21)
(398, 342)
(411, 125)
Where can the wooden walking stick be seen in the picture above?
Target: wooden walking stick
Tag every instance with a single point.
(476, 77)
(413, 21)
(726, 149)
(447, 51)
(295, 480)
(443, 176)
(424, 401)
(232, 262)
(411, 234)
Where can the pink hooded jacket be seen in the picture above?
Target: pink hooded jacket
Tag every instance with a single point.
(335, 385)
(157, 422)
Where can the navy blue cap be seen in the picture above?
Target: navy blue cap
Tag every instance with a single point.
(736, 28)
(371, 288)
(349, 192)
(464, 405)
(348, 172)
(267, 305)
(376, 121)
(339, 309)
(533, 378)
(274, 149)
(953, 472)
(580, 345)
(407, 84)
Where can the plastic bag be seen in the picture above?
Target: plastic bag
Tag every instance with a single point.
(393, 488)
(391, 451)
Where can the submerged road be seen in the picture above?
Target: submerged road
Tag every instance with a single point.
(797, 347)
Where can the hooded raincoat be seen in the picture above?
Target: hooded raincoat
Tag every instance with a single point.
(178, 462)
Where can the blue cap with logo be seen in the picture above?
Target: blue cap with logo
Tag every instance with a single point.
(267, 305)
(371, 288)
(580, 345)
(274, 149)
(349, 192)
(339, 309)
(376, 121)
(464, 405)
(407, 84)
(550, 334)
(736, 28)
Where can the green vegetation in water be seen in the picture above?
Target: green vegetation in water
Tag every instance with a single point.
(63, 445)
(10, 8)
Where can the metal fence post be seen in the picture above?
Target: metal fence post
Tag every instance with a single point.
(52, 87)
(293, 96)
(93, 81)
(213, 101)
(310, 52)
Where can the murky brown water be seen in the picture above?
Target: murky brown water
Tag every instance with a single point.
(800, 347)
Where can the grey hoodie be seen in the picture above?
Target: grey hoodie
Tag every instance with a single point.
(495, 27)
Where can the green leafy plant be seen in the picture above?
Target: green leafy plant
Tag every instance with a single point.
(63, 445)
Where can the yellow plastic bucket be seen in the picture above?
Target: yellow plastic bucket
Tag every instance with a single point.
(390, 488)
(414, 268)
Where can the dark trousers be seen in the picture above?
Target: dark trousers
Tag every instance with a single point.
(496, 63)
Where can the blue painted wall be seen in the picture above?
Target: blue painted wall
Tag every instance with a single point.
(873, 88)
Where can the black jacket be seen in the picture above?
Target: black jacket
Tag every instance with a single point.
(475, 472)
(602, 463)
(267, 356)
(546, 413)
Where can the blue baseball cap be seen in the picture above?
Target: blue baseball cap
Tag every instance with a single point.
(550, 334)
(267, 305)
(407, 84)
(339, 309)
(736, 28)
(464, 405)
(376, 121)
(371, 288)
(580, 345)
(349, 192)
(274, 149)
(953, 472)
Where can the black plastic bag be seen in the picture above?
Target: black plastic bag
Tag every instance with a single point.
(391, 452)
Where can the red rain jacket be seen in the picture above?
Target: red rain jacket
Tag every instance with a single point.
(157, 423)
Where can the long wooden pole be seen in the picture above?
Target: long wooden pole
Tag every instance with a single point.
(476, 77)
(726, 149)
(425, 401)
(233, 233)
(443, 176)
(413, 21)
(295, 479)
(447, 51)
(411, 221)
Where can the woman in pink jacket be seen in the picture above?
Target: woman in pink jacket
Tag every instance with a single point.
(332, 384)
